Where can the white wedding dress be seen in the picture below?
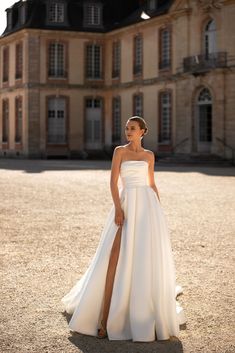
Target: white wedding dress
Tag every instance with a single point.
(143, 302)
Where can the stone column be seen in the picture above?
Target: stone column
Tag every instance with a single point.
(33, 84)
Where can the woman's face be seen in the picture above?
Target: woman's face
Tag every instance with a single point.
(133, 131)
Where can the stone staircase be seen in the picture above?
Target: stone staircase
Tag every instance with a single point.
(194, 159)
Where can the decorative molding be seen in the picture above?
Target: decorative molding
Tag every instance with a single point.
(210, 4)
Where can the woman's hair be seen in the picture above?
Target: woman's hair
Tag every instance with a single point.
(141, 122)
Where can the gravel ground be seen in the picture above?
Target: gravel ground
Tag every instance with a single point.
(51, 217)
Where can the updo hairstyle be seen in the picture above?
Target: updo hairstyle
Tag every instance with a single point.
(141, 122)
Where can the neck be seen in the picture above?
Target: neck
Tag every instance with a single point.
(135, 146)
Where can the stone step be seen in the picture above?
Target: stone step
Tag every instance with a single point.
(204, 159)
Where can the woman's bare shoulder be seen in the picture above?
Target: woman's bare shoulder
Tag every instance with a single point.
(150, 155)
(119, 149)
(149, 152)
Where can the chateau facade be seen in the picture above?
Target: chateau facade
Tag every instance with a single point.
(73, 72)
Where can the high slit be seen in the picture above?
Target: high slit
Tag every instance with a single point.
(143, 302)
(118, 233)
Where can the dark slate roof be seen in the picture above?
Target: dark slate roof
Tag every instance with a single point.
(114, 15)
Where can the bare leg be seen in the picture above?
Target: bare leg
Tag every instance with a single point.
(111, 274)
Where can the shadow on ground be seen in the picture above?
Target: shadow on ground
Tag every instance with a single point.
(91, 344)
(39, 166)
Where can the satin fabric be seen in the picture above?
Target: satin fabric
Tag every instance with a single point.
(143, 305)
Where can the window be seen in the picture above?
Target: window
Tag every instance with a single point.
(9, 18)
(5, 120)
(56, 60)
(152, 5)
(165, 117)
(205, 116)
(205, 96)
(165, 49)
(138, 54)
(19, 61)
(56, 12)
(5, 68)
(56, 121)
(18, 119)
(94, 61)
(22, 13)
(92, 14)
(93, 123)
(138, 105)
(116, 60)
(210, 39)
(116, 121)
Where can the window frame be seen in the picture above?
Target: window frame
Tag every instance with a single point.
(92, 5)
(162, 66)
(9, 18)
(58, 79)
(19, 61)
(56, 22)
(67, 107)
(5, 65)
(116, 140)
(138, 95)
(85, 99)
(101, 62)
(152, 5)
(160, 120)
(5, 122)
(22, 13)
(209, 38)
(138, 67)
(18, 130)
(116, 59)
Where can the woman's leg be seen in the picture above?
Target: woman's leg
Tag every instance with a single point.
(113, 260)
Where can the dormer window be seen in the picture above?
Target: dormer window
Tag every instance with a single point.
(22, 13)
(152, 4)
(9, 18)
(93, 14)
(56, 12)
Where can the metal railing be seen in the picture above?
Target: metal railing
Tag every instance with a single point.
(229, 147)
(180, 143)
(205, 62)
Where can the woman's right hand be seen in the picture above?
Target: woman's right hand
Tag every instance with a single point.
(119, 216)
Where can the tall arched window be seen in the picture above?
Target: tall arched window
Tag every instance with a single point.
(205, 116)
(210, 38)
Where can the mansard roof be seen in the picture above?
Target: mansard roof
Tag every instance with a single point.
(115, 14)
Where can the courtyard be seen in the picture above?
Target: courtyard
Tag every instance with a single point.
(51, 217)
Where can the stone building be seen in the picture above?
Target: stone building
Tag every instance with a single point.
(73, 71)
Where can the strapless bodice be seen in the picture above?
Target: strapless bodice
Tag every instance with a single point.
(134, 173)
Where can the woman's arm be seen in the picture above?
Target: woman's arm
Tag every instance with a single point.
(151, 174)
(115, 170)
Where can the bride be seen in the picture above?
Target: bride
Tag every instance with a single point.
(129, 291)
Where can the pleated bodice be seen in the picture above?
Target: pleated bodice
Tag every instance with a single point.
(134, 173)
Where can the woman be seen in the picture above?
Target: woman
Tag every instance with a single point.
(129, 290)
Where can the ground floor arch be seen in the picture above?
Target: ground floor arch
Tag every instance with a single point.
(202, 121)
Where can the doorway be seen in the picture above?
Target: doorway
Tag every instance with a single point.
(93, 124)
(203, 126)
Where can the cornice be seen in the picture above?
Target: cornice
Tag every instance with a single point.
(171, 78)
